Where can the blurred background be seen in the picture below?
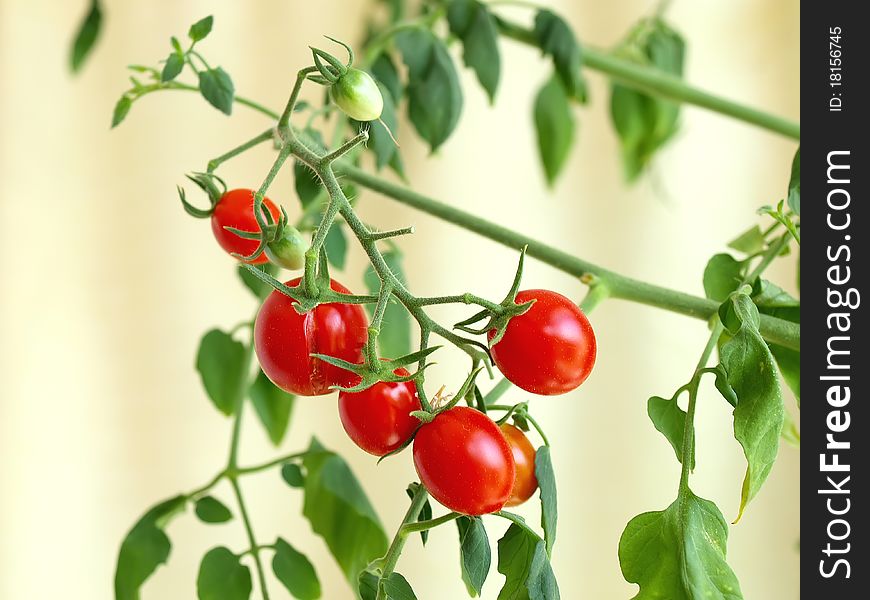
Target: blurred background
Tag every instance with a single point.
(106, 287)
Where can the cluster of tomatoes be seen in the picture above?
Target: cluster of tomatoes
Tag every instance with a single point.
(465, 460)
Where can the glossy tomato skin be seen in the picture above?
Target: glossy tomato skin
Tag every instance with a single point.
(236, 209)
(284, 341)
(525, 483)
(548, 350)
(464, 461)
(378, 419)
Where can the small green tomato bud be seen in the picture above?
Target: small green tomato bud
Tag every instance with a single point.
(357, 94)
(288, 251)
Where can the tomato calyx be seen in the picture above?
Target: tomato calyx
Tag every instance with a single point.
(213, 186)
(382, 371)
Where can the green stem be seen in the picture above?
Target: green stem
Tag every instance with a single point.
(658, 83)
(391, 558)
(252, 540)
(272, 463)
(216, 162)
(497, 391)
(419, 526)
(775, 330)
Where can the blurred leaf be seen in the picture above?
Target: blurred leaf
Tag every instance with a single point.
(172, 68)
(257, 286)
(122, 107)
(556, 39)
(295, 571)
(554, 125)
(794, 184)
(336, 245)
(145, 548)
(749, 242)
(217, 87)
(475, 556)
(273, 405)
(380, 143)
(86, 36)
(220, 362)
(222, 576)
(292, 474)
(472, 22)
(384, 71)
(394, 339)
(547, 486)
(211, 510)
(199, 30)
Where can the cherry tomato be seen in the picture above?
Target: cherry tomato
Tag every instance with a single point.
(524, 458)
(464, 461)
(357, 94)
(378, 419)
(288, 251)
(284, 341)
(548, 350)
(236, 209)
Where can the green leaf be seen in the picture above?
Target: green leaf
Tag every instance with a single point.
(222, 576)
(273, 406)
(475, 556)
(308, 186)
(211, 510)
(522, 559)
(385, 72)
(122, 107)
(749, 242)
(145, 548)
(556, 39)
(723, 386)
(679, 553)
(367, 584)
(339, 511)
(434, 93)
(670, 420)
(336, 245)
(547, 486)
(220, 362)
(394, 339)
(472, 22)
(217, 87)
(380, 141)
(292, 474)
(295, 571)
(722, 276)
(200, 29)
(425, 512)
(758, 417)
(398, 588)
(258, 287)
(789, 363)
(172, 68)
(554, 125)
(86, 36)
(794, 184)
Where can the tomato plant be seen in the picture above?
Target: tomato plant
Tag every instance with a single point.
(312, 335)
(465, 462)
(548, 350)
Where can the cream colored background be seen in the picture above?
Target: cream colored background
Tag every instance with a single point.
(106, 286)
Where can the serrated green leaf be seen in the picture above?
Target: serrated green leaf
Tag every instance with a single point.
(222, 576)
(385, 72)
(217, 87)
(86, 36)
(547, 489)
(122, 107)
(199, 30)
(336, 245)
(172, 68)
(471, 21)
(794, 184)
(273, 405)
(670, 420)
(145, 548)
(522, 559)
(394, 339)
(475, 556)
(556, 39)
(292, 474)
(749, 242)
(722, 275)
(434, 93)
(758, 416)
(398, 588)
(679, 553)
(257, 286)
(211, 510)
(554, 125)
(220, 362)
(339, 511)
(295, 572)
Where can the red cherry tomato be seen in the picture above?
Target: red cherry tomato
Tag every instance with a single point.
(378, 419)
(236, 209)
(550, 349)
(284, 341)
(464, 461)
(524, 458)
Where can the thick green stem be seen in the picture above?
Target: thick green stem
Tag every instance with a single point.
(391, 558)
(775, 330)
(657, 83)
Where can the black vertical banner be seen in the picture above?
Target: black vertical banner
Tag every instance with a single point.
(835, 55)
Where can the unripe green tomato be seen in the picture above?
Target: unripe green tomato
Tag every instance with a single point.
(357, 94)
(288, 251)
